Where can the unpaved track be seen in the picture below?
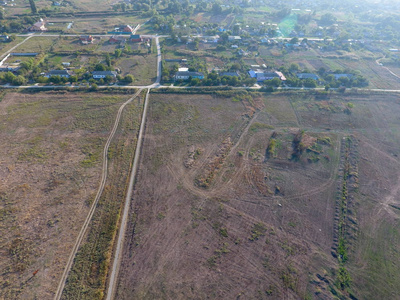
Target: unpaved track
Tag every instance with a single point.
(9, 51)
(85, 225)
(121, 235)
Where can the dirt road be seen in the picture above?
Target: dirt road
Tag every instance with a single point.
(85, 225)
(121, 234)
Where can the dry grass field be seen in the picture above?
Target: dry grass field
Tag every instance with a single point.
(49, 174)
(266, 197)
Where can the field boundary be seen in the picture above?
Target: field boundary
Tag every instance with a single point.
(124, 220)
(85, 225)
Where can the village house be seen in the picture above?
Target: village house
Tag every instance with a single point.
(307, 76)
(337, 76)
(231, 74)
(103, 74)
(9, 68)
(261, 75)
(86, 39)
(38, 26)
(185, 75)
(135, 38)
(234, 38)
(61, 73)
(4, 38)
(117, 39)
(127, 29)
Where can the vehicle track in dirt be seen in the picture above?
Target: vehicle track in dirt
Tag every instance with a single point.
(124, 220)
(19, 44)
(85, 225)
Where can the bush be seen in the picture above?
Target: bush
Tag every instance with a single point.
(129, 78)
(19, 80)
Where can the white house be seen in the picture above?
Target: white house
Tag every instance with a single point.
(261, 75)
(103, 74)
(185, 75)
(61, 73)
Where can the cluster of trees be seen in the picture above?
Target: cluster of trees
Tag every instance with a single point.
(12, 79)
(121, 6)
(326, 77)
(32, 71)
(16, 24)
(213, 79)
(33, 6)
(86, 77)
(355, 80)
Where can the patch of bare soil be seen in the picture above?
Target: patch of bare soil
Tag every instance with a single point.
(292, 207)
(49, 174)
(236, 235)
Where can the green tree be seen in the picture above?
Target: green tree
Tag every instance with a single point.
(19, 80)
(129, 78)
(328, 19)
(294, 67)
(216, 8)
(343, 278)
(42, 79)
(196, 44)
(33, 6)
(236, 29)
(275, 82)
(108, 60)
(108, 79)
(9, 77)
(100, 67)
(310, 83)
(233, 81)
(118, 53)
(195, 81)
(55, 79)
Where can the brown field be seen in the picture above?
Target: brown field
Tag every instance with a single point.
(216, 215)
(49, 174)
(37, 44)
(104, 24)
(87, 5)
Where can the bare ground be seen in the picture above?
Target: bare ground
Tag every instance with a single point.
(49, 173)
(263, 227)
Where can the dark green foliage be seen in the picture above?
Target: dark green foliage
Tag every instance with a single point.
(257, 231)
(298, 146)
(343, 278)
(271, 148)
(223, 232)
(33, 6)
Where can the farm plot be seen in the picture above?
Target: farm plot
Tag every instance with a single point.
(50, 171)
(239, 197)
(218, 203)
(142, 67)
(37, 44)
(90, 5)
(103, 24)
(73, 44)
(6, 46)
